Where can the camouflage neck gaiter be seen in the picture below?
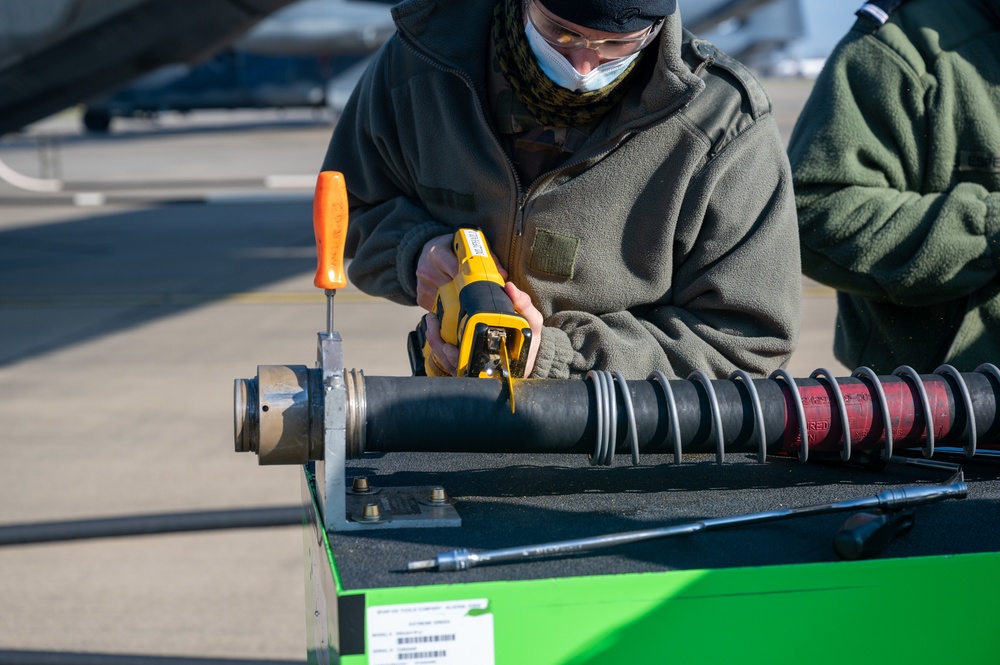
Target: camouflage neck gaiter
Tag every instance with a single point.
(549, 103)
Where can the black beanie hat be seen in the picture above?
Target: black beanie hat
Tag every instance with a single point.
(611, 15)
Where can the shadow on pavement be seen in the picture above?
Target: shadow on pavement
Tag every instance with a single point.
(67, 282)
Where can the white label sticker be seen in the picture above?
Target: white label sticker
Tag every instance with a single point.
(475, 242)
(455, 632)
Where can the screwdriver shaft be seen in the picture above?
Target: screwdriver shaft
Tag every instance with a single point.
(330, 293)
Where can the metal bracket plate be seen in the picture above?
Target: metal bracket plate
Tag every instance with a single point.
(399, 507)
(343, 508)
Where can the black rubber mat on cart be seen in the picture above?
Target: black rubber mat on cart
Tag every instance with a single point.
(510, 500)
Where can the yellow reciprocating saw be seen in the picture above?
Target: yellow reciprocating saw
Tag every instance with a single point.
(478, 317)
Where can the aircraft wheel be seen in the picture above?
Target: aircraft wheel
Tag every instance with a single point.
(97, 120)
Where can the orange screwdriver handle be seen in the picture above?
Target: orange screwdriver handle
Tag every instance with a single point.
(330, 225)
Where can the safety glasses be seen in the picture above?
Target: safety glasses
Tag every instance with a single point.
(560, 36)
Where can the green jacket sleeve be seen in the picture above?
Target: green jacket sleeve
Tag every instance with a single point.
(735, 297)
(861, 155)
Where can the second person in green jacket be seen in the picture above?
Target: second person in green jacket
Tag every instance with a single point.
(896, 159)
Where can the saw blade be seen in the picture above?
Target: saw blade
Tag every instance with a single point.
(505, 369)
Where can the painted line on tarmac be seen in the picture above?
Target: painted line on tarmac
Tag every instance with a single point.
(256, 197)
(818, 291)
(268, 189)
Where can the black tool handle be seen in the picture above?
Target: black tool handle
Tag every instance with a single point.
(415, 342)
(866, 534)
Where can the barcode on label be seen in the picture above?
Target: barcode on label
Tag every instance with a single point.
(423, 639)
(475, 242)
(447, 632)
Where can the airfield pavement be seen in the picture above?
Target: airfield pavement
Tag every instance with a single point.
(185, 261)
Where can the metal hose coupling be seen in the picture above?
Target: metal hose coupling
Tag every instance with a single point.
(279, 414)
(460, 559)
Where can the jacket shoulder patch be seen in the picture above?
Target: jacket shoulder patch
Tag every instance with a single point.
(554, 253)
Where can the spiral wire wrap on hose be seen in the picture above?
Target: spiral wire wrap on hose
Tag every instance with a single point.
(988, 370)
(607, 417)
(800, 412)
(630, 414)
(907, 372)
(863, 373)
(608, 385)
(673, 422)
(714, 410)
(758, 411)
(824, 375)
(970, 415)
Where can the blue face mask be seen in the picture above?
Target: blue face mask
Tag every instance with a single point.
(561, 71)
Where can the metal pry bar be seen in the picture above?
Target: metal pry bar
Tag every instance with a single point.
(892, 499)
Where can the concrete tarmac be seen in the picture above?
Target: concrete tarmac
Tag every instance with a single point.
(180, 259)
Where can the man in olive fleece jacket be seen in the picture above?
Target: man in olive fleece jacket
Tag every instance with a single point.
(896, 159)
(666, 241)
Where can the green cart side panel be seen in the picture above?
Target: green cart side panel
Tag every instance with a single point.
(917, 610)
(322, 584)
(929, 610)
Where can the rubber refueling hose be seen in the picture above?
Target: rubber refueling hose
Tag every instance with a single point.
(12, 657)
(146, 525)
(420, 414)
(428, 414)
